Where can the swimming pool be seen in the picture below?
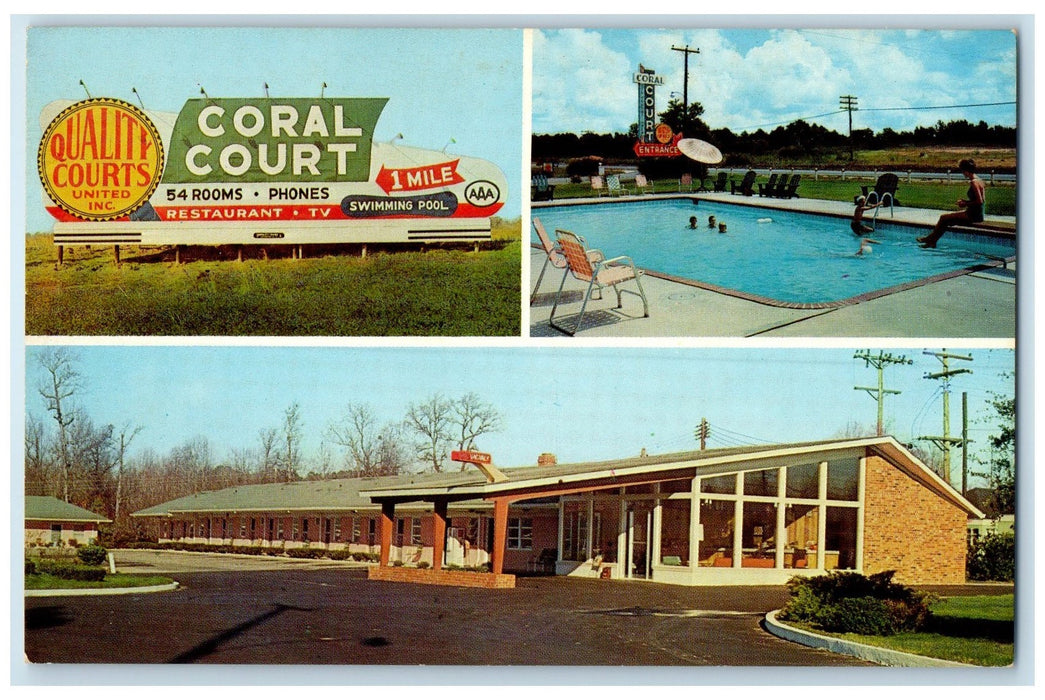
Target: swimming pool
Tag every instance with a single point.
(779, 257)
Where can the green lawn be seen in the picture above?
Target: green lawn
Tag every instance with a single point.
(968, 629)
(1001, 198)
(434, 292)
(39, 582)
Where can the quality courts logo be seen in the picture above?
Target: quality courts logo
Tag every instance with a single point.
(100, 159)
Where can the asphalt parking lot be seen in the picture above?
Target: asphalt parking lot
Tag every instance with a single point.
(253, 610)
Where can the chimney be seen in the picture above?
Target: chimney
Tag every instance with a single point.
(546, 459)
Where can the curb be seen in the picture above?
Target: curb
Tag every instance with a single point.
(55, 592)
(878, 655)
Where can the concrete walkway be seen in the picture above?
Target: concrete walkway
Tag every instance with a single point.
(975, 305)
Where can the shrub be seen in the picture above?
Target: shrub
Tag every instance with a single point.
(993, 558)
(849, 602)
(423, 565)
(30, 567)
(73, 572)
(583, 167)
(340, 554)
(91, 554)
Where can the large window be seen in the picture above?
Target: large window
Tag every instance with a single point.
(674, 532)
(759, 536)
(520, 533)
(843, 479)
(803, 481)
(761, 483)
(717, 516)
(841, 538)
(820, 512)
(802, 525)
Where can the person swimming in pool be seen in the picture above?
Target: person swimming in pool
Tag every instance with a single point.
(692, 222)
(722, 227)
(857, 224)
(711, 221)
(865, 246)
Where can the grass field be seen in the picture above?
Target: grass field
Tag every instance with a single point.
(974, 630)
(433, 292)
(43, 582)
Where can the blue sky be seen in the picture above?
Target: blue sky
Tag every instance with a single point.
(443, 84)
(580, 403)
(754, 78)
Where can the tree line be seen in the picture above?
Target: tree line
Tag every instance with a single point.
(83, 460)
(797, 140)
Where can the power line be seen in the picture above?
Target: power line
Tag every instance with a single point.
(878, 109)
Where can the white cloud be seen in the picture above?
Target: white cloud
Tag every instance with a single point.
(580, 84)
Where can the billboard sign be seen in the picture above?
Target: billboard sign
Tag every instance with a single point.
(283, 170)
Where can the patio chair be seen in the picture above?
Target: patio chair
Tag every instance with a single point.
(746, 186)
(598, 274)
(786, 189)
(766, 189)
(720, 181)
(613, 185)
(597, 185)
(643, 185)
(884, 190)
(540, 189)
(553, 255)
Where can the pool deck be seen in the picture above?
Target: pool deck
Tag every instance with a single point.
(979, 304)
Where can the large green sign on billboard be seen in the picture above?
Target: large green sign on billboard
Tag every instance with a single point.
(273, 140)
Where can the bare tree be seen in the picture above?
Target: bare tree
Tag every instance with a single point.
(473, 418)
(38, 468)
(124, 439)
(268, 461)
(59, 385)
(392, 456)
(430, 422)
(291, 441)
(358, 433)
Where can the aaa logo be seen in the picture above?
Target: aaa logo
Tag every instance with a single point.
(100, 159)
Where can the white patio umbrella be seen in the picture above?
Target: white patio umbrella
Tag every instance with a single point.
(700, 151)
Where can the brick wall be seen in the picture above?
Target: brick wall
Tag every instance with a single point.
(443, 577)
(911, 529)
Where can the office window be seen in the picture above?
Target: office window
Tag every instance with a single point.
(520, 533)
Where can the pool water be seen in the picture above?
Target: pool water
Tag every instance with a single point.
(783, 256)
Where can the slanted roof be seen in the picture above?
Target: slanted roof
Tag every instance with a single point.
(333, 495)
(470, 488)
(51, 508)
(609, 473)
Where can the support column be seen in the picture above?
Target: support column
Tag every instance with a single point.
(438, 534)
(61, 255)
(821, 525)
(385, 531)
(116, 254)
(861, 496)
(500, 533)
(696, 532)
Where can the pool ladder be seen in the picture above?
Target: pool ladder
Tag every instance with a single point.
(885, 197)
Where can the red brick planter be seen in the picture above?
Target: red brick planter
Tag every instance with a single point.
(443, 577)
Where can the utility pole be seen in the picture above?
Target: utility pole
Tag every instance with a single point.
(965, 442)
(686, 51)
(848, 103)
(945, 441)
(702, 432)
(878, 393)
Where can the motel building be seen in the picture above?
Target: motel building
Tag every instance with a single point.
(51, 522)
(751, 515)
